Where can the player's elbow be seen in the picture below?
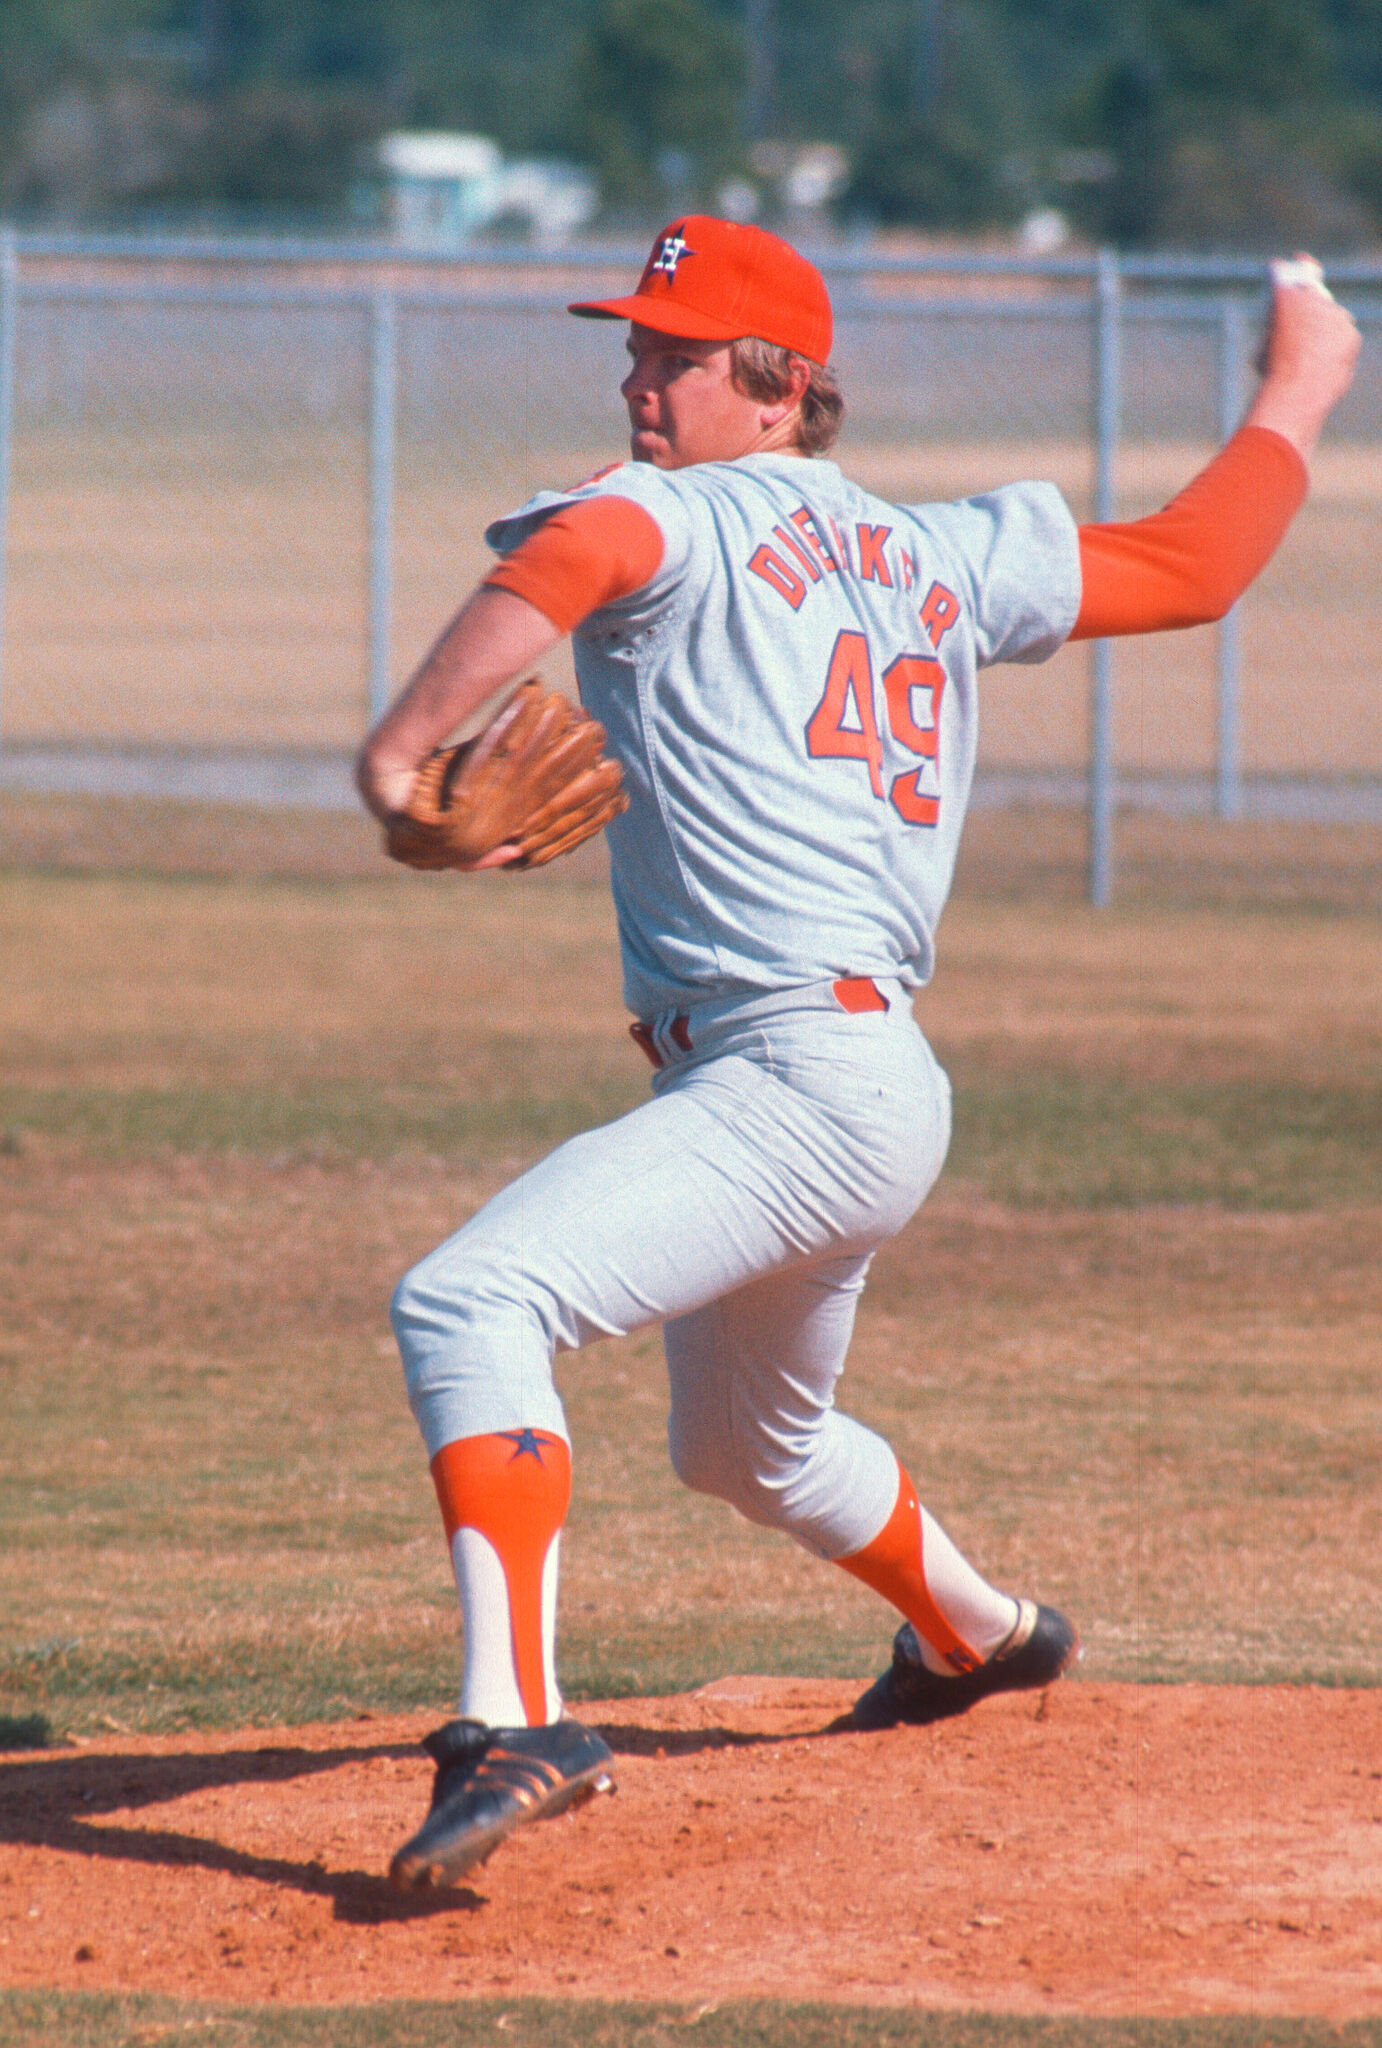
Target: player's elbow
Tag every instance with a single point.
(1213, 598)
(1199, 600)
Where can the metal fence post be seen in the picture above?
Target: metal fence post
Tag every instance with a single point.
(1107, 381)
(383, 423)
(9, 321)
(1228, 788)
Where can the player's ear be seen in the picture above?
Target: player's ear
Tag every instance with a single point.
(798, 377)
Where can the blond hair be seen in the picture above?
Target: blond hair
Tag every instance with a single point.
(763, 370)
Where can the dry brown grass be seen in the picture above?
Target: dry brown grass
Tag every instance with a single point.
(209, 590)
(216, 1505)
(219, 1160)
(1024, 853)
(1160, 994)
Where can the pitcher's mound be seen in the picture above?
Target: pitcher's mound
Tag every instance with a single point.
(1099, 1848)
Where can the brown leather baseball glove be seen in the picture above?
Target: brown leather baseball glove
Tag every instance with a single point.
(534, 779)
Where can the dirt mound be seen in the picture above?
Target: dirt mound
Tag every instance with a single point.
(1101, 1849)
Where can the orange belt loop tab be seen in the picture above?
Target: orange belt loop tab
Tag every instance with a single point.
(857, 994)
(678, 1032)
(643, 1038)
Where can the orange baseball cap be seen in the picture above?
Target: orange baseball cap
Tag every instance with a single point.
(717, 280)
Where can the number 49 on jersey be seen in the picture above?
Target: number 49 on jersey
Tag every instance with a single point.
(844, 725)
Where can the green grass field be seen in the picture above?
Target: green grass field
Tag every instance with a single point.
(36, 2020)
(1128, 1350)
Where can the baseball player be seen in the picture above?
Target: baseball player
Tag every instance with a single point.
(786, 668)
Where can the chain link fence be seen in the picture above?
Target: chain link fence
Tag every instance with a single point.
(241, 488)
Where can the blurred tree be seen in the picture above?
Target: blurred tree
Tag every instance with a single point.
(1193, 120)
(1354, 127)
(1354, 31)
(1251, 55)
(945, 120)
(1125, 141)
(1212, 118)
(505, 71)
(658, 97)
(915, 171)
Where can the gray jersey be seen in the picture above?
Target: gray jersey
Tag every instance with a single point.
(792, 698)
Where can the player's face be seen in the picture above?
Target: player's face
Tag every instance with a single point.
(682, 405)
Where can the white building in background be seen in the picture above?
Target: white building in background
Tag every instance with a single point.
(442, 190)
(803, 177)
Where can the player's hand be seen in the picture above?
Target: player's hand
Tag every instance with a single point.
(385, 786)
(387, 792)
(534, 784)
(1308, 355)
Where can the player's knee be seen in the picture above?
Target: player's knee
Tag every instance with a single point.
(765, 1493)
(415, 1305)
(440, 1320)
(706, 1460)
(695, 1456)
(479, 1302)
(755, 1482)
(412, 1313)
(473, 1360)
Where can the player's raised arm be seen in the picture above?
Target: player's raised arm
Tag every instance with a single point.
(1187, 564)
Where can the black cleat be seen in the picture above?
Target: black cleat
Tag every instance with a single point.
(490, 1781)
(1041, 1646)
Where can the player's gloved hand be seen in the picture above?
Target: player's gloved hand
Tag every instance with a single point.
(532, 786)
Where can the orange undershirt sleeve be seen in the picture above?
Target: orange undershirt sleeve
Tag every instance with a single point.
(584, 556)
(1186, 564)
(1182, 566)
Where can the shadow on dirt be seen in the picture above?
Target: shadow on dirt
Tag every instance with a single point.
(57, 1803)
(669, 1742)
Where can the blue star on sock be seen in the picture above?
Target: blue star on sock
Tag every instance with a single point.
(527, 1444)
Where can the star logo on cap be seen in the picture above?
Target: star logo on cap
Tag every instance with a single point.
(673, 248)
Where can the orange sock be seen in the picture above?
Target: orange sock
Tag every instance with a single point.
(510, 1491)
(894, 1565)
